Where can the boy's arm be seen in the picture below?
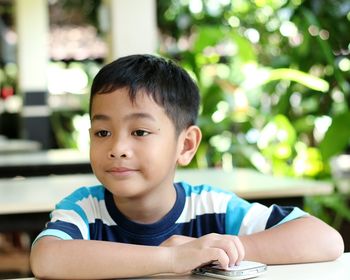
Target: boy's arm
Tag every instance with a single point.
(54, 258)
(81, 259)
(302, 240)
(306, 239)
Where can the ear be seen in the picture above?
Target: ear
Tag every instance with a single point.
(188, 143)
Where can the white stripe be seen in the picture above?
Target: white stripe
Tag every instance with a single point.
(96, 209)
(72, 217)
(255, 220)
(204, 203)
(106, 218)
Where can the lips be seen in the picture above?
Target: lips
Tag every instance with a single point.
(121, 171)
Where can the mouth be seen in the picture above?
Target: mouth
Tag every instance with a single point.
(121, 171)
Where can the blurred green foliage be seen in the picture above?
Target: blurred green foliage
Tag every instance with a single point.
(274, 77)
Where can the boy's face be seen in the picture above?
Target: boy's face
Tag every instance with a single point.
(134, 147)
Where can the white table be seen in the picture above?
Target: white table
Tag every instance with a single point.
(44, 162)
(40, 194)
(49, 157)
(250, 184)
(337, 270)
(9, 146)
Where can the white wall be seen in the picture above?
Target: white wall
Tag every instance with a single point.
(132, 27)
(32, 24)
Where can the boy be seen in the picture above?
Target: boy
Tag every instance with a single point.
(143, 111)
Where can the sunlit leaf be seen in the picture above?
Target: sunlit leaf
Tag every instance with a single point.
(303, 78)
(308, 162)
(278, 130)
(283, 151)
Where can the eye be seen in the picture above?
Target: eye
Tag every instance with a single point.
(140, 133)
(103, 133)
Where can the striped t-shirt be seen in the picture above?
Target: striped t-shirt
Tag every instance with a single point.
(90, 213)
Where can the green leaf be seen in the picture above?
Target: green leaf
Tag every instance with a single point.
(311, 19)
(300, 77)
(207, 36)
(245, 49)
(337, 136)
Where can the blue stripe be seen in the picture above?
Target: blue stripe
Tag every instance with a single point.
(65, 204)
(237, 208)
(98, 192)
(71, 229)
(53, 232)
(84, 192)
(69, 203)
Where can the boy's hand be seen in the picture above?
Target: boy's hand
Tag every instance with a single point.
(225, 249)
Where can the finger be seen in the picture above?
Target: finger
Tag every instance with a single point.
(228, 246)
(219, 255)
(231, 250)
(240, 250)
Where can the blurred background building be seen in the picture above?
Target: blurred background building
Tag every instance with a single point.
(50, 50)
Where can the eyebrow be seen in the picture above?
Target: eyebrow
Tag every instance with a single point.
(100, 117)
(132, 116)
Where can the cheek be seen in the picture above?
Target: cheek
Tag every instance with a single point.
(95, 153)
(164, 153)
(96, 162)
(92, 160)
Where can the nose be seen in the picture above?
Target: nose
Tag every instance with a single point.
(119, 148)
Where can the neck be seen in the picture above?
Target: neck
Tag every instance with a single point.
(150, 208)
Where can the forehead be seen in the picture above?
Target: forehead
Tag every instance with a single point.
(118, 102)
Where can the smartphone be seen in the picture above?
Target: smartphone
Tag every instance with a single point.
(246, 270)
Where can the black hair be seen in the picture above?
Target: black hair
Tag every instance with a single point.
(165, 82)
